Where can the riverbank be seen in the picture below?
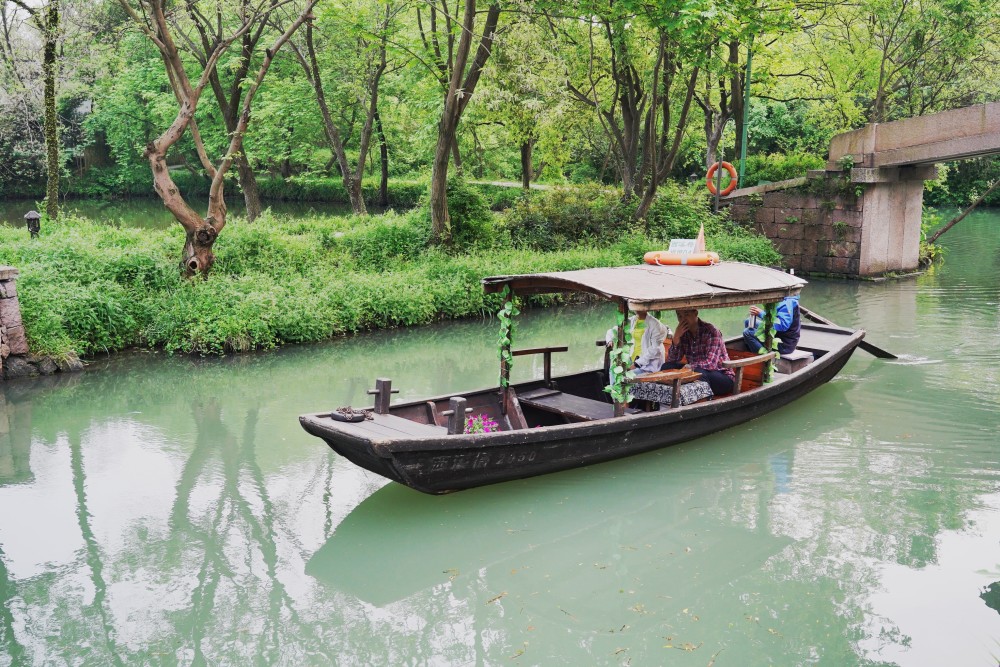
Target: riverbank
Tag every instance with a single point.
(88, 288)
(401, 194)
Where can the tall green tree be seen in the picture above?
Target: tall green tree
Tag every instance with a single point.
(359, 38)
(449, 40)
(151, 17)
(637, 66)
(228, 93)
(45, 18)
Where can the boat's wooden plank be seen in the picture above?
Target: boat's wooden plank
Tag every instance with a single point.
(825, 340)
(573, 407)
(389, 426)
(540, 392)
(515, 417)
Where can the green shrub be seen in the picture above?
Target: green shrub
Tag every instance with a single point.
(565, 216)
(678, 211)
(88, 288)
(777, 167)
(387, 242)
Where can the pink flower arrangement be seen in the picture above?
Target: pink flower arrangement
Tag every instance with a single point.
(481, 424)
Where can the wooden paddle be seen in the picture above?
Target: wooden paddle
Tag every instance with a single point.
(864, 345)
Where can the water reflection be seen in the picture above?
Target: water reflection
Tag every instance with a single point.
(170, 510)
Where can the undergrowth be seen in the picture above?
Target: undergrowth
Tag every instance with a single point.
(90, 287)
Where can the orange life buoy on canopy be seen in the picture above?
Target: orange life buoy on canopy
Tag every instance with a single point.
(710, 178)
(664, 258)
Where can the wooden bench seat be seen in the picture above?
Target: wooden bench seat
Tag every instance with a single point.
(749, 367)
(793, 361)
(573, 408)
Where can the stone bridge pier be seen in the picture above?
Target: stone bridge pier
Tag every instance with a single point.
(860, 217)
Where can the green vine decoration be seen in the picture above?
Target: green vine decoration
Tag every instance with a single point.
(770, 315)
(505, 341)
(621, 362)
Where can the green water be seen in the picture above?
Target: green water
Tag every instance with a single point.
(159, 510)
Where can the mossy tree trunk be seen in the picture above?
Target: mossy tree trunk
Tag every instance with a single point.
(49, 70)
(383, 151)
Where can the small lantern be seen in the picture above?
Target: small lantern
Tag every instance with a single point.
(34, 220)
(693, 177)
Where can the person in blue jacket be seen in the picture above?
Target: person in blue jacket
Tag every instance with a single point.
(786, 324)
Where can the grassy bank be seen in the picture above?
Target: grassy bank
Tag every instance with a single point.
(88, 287)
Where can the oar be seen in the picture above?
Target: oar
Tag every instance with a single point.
(864, 345)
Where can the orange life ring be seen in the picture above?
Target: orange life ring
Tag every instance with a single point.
(664, 258)
(710, 181)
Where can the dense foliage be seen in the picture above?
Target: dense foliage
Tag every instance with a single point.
(90, 288)
(553, 97)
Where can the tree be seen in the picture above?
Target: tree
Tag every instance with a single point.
(45, 18)
(152, 18)
(642, 66)
(370, 51)
(211, 32)
(458, 77)
(524, 94)
(879, 60)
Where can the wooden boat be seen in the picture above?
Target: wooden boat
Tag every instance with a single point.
(557, 423)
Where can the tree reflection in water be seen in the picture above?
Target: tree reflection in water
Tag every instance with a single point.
(255, 544)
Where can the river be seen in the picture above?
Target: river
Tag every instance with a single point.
(169, 510)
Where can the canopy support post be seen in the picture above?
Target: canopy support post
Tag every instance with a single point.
(623, 309)
(770, 310)
(506, 335)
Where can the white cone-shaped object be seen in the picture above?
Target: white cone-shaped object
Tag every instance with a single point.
(699, 242)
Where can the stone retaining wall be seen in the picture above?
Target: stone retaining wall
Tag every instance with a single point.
(12, 338)
(859, 222)
(15, 358)
(814, 233)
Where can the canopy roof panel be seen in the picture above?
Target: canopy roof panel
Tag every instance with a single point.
(646, 287)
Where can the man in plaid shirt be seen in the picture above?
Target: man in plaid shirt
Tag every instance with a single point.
(705, 350)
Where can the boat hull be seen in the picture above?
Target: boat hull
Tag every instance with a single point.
(447, 463)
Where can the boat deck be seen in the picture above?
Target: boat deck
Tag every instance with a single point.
(382, 427)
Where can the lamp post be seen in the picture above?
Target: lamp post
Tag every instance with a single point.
(746, 113)
(34, 221)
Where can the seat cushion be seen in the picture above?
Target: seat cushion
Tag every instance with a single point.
(692, 392)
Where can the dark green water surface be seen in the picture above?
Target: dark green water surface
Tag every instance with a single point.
(162, 510)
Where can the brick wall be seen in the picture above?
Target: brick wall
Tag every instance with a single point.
(815, 233)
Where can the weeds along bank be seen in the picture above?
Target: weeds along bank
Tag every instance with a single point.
(88, 287)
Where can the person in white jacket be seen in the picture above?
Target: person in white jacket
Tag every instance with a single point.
(648, 349)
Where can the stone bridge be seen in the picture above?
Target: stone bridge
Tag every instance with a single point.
(861, 215)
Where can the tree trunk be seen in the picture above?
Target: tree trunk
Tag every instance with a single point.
(351, 184)
(526, 148)
(737, 85)
(248, 183)
(460, 89)
(456, 154)
(383, 150)
(440, 221)
(646, 202)
(51, 119)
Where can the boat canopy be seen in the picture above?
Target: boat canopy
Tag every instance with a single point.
(646, 287)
